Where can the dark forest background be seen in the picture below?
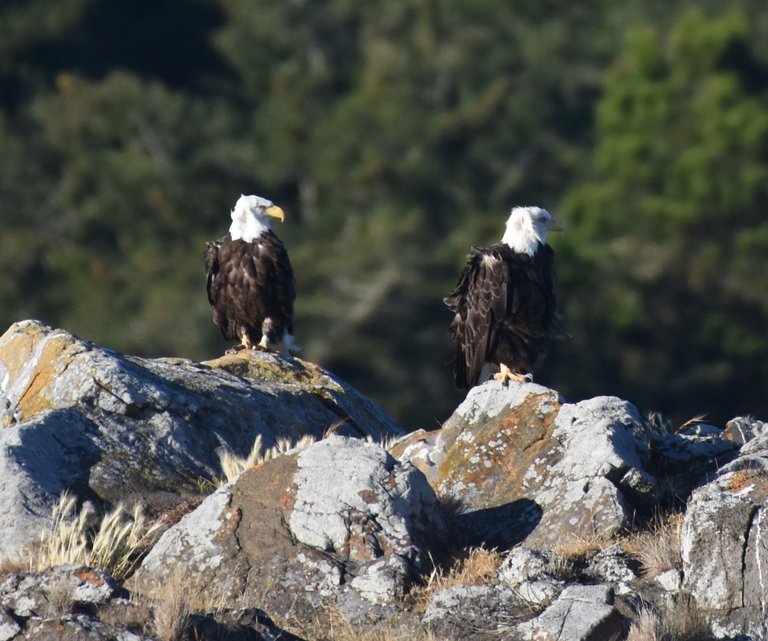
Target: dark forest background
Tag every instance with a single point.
(395, 134)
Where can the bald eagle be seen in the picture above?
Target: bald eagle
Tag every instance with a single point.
(250, 280)
(504, 302)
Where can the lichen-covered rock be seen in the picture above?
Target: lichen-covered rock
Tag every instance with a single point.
(76, 627)
(580, 613)
(474, 612)
(340, 521)
(524, 465)
(529, 574)
(724, 540)
(685, 458)
(612, 566)
(9, 626)
(41, 594)
(108, 426)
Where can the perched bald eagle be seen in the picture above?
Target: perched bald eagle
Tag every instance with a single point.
(504, 302)
(250, 281)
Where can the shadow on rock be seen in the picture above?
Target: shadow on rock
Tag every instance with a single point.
(501, 527)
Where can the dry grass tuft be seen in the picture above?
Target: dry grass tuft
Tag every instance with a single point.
(478, 566)
(647, 627)
(579, 548)
(232, 465)
(115, 545)
(171, 612)
(326, 624)
(679, 621)
(13, 565)
(658, 548)
(60, 597)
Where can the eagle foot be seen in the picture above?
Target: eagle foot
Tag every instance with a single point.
(505, 375)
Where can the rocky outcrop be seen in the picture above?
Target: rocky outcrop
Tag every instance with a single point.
(348, 528)
(110, 427)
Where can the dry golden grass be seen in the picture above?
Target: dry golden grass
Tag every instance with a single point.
(477, 567)
(329, 625)
(114, 546)
(13, 565)
(578, 548)
(680, 621)
(60, 598)
(171, 611)
(647, 627)
(232, 465)
(658, 547)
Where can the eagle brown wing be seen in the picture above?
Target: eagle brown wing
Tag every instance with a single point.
(479, 303)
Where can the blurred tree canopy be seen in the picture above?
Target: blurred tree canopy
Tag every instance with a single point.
(671, 228)
(395, 135)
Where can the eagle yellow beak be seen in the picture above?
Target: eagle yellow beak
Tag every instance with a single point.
(275, 212)
(555, 224)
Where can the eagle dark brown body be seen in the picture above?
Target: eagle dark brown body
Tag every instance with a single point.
(504, 311)
(251, 289)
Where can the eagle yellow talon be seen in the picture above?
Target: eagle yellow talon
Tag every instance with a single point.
(505, 375)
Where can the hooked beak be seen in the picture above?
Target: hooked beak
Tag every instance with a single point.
(275, 212)
(555, 224)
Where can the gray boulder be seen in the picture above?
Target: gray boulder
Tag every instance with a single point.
(44, 594)
(524, 465)
(339, 522)
(724, 540)
(475, 612)
(581, 613)
(529, 573)
(112, 427)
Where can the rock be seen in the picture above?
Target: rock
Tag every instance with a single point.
(581, 613)
(9, 627)
(524, 465)
(56, 590)
(245, 624)
(474, 612)
(612, 565)
(112, 427)
(340, 521)
(724, 539)
(683, 460)
(76, 627)
(60, 603)
(529, 574)
(743, 429)
(670, 581)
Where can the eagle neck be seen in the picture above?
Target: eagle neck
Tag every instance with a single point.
(527, 245)
(248, 228)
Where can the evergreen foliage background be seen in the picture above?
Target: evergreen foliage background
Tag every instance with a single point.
(395, 135)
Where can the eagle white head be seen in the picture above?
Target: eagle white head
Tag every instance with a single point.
(250, 217)
(527, 227)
